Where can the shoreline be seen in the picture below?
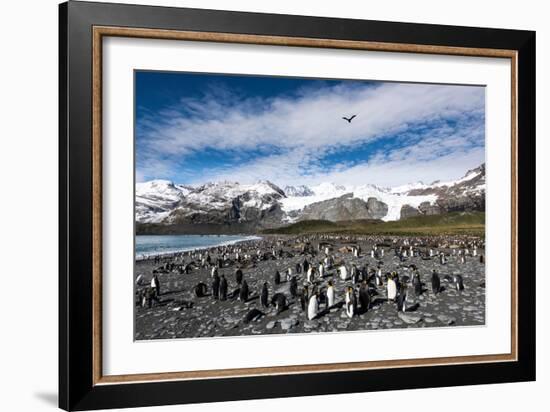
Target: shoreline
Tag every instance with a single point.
(173, 253)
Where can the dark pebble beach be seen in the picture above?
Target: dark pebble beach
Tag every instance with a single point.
(178, 313)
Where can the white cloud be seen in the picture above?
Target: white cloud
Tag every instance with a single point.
(306, 127)
(381, 171)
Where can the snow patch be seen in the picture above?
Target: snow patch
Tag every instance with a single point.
(326, 191)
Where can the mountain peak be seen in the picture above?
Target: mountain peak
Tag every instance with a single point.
(478, 170)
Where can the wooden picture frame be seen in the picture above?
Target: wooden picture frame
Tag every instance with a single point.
(82, 385)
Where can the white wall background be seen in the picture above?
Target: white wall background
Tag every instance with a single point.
(28, 202)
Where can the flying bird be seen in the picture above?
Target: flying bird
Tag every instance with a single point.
(349, 119)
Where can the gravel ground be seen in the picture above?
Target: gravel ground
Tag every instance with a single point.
(180, 314)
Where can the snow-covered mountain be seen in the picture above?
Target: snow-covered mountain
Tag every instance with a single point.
(157, 198)
(327, 191)
(160, 201)
(264, 204)
(472, 177)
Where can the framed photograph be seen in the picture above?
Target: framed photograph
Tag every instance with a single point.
(257, 206)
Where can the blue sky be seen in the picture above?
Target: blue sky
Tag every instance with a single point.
(194, 128)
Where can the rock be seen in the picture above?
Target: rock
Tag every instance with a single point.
(409, 318)
(429, 320)
(408, 211)
(454, 307)
(310, 324)
(288, 323)
(345, 207)
(460, 196)
(428, 209)
(446, 319)
(270, 324)
(376, 208)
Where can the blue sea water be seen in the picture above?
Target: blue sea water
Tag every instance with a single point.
(147, 245)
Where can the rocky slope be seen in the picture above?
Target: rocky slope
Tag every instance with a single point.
(234, 207)
(345, 207)
(466, 194)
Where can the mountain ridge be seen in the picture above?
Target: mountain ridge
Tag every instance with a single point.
(264, 205)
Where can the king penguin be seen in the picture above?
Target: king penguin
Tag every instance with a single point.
(200, 290)
(417, 283)
(458, 282)
(402, 299)
(239, 276)
(379, 281)
(330, 294)
(364, 296)
(312, 307)
(310, 273)
(243, 293)
(279, 301)
(354, 274)
(305, 265)
(304, 297)
(277, 278)
(293, 287)
(351, 302)
(223, 288)
(392, 286)
(343, 272)
(264, 296)
(216, 286)
(436, 283)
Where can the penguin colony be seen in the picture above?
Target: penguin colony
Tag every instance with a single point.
(313, 283)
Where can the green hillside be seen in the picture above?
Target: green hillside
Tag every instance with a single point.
(451, 223)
